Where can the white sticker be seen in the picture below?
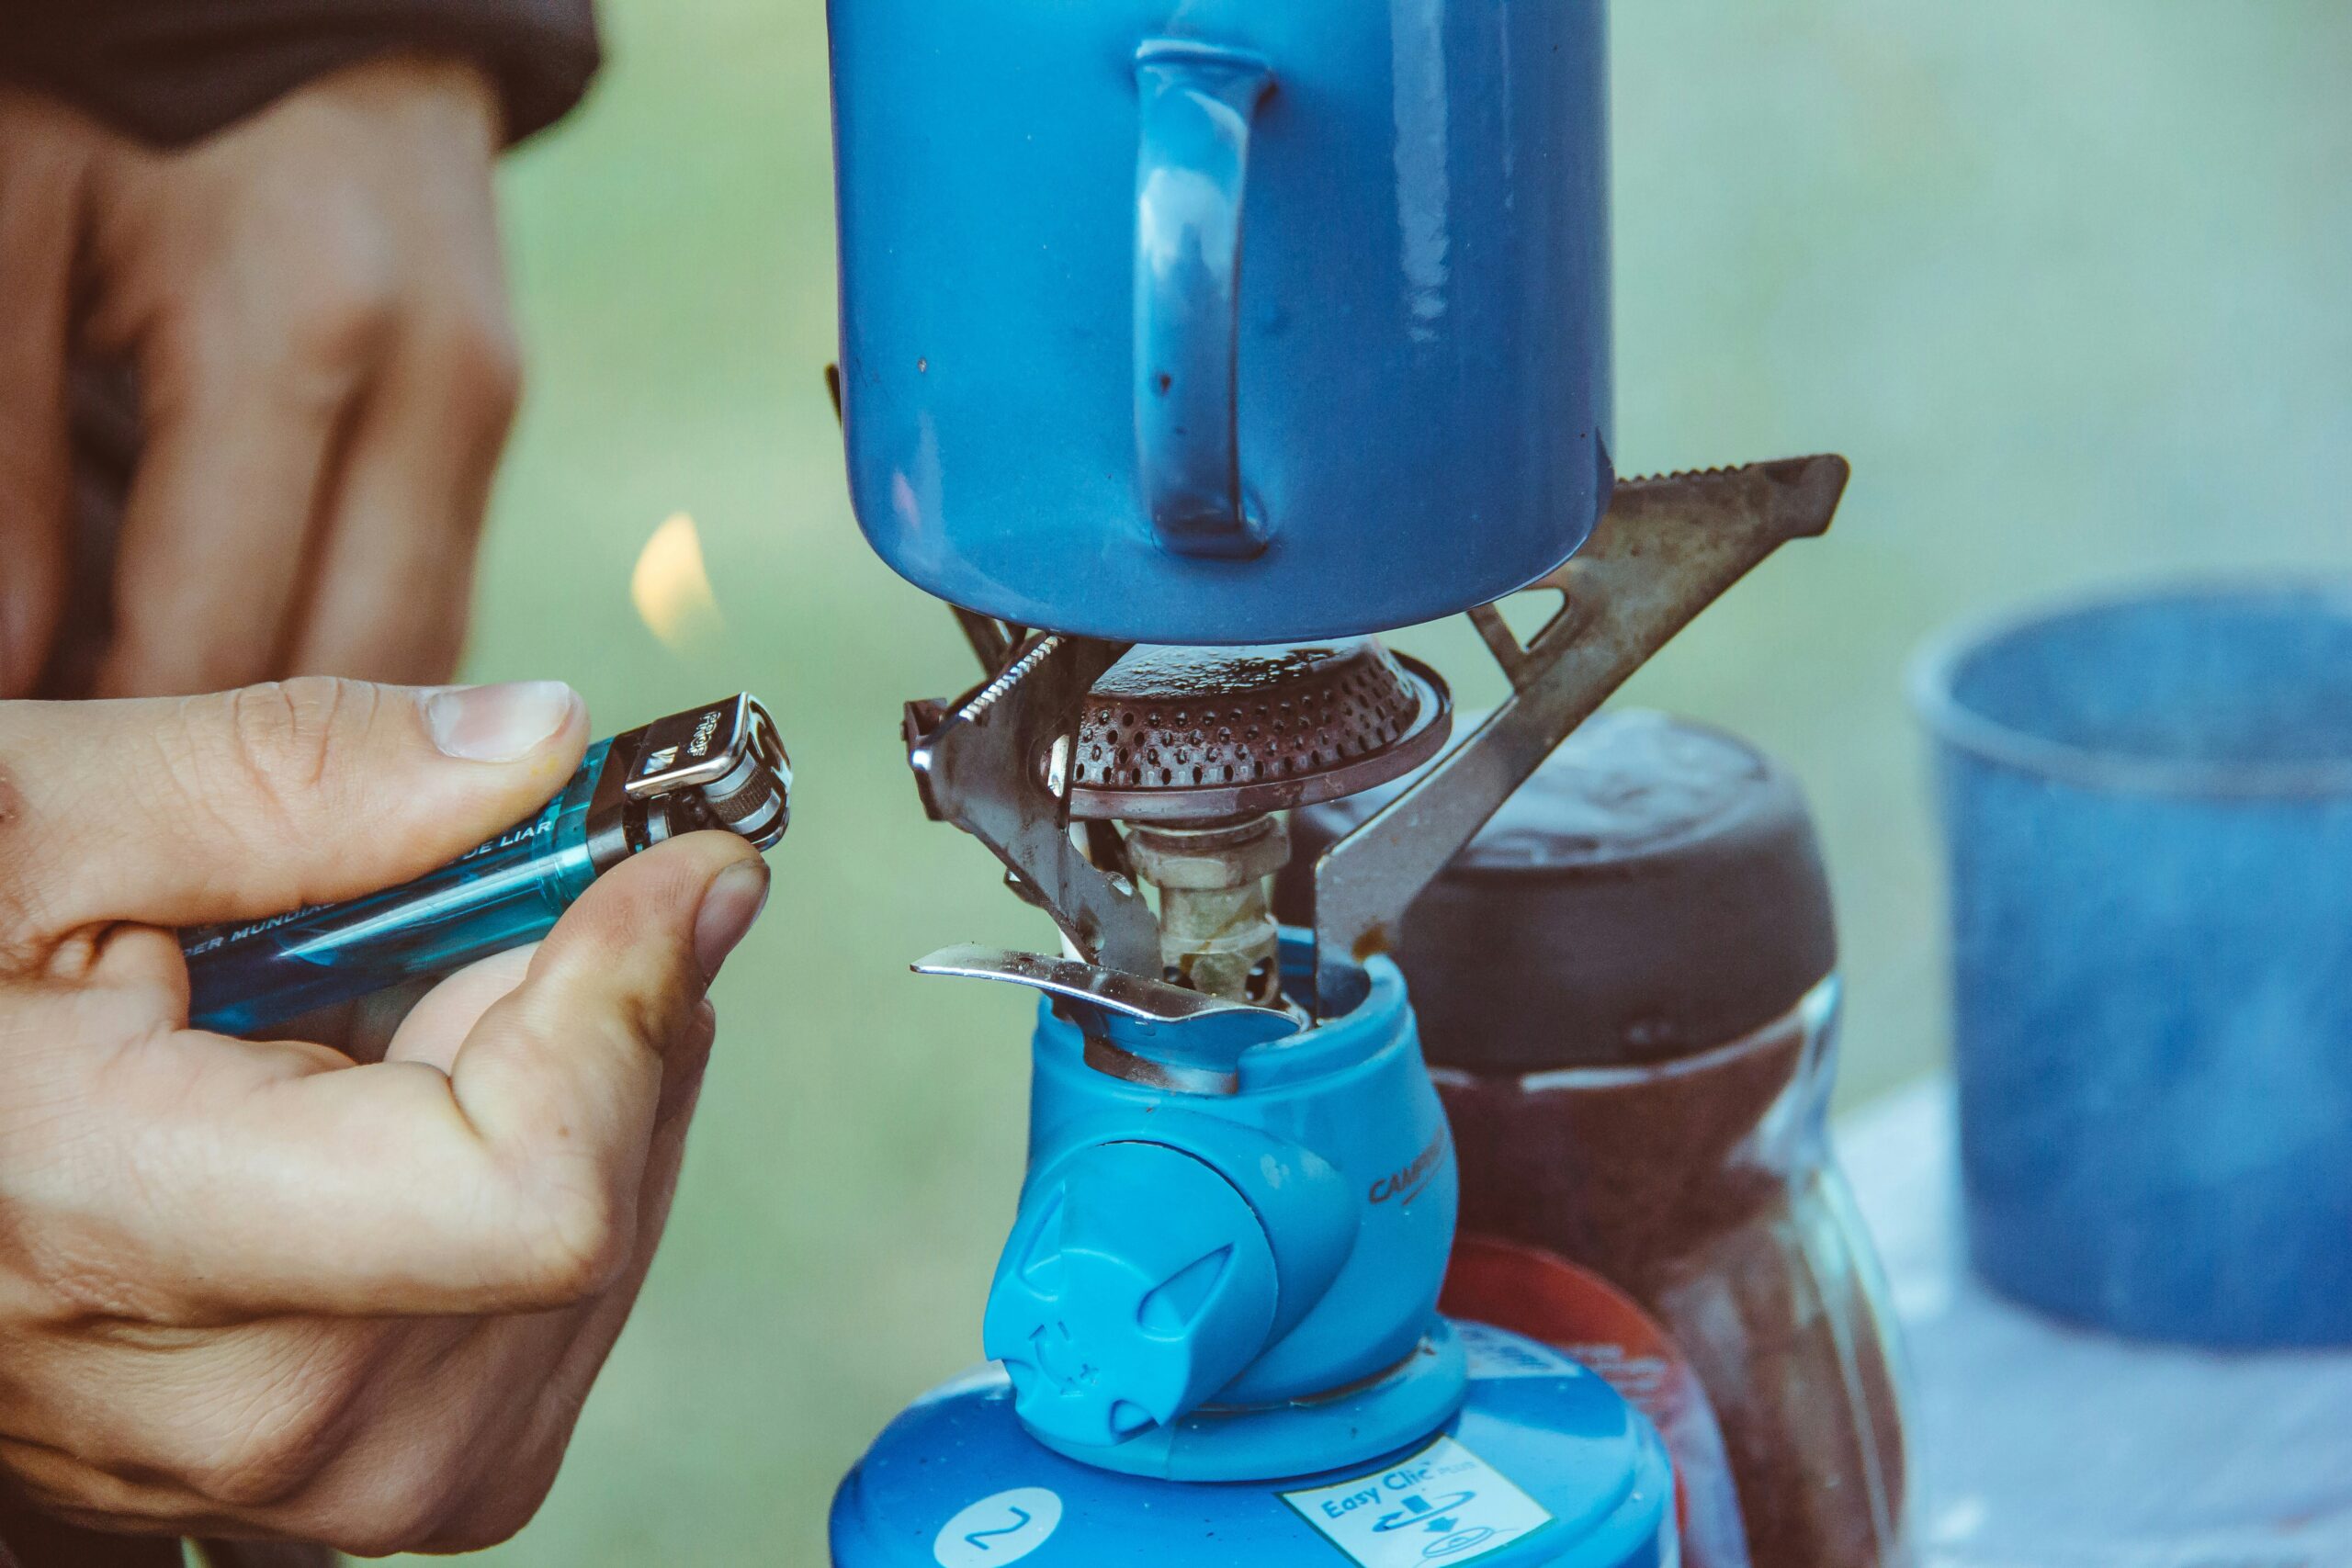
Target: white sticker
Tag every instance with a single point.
(1003, 1528)
(1444, 1506)
(1493, 1354)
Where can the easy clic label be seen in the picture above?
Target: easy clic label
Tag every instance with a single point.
(1444, 1506)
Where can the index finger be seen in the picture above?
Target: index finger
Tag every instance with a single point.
(39, 194)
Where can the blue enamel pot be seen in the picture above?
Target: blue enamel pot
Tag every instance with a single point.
(1214, 322)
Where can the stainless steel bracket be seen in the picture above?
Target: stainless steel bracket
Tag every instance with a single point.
(1666, 549)
(988, 765)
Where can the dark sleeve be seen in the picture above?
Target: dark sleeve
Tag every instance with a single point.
(172, 71)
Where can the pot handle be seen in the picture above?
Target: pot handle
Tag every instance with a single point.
(1197, 102)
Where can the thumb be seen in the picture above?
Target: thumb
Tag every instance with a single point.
(176, 811)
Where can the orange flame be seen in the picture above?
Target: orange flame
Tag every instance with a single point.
(671, 588)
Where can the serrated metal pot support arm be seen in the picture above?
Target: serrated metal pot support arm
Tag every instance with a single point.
(976, 763)
(1666, 549)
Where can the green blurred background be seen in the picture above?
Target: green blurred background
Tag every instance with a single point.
(2068, 282)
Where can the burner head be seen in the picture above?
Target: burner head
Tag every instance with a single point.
(1200, 734)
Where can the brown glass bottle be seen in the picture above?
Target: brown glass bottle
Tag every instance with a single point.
(1627, 988)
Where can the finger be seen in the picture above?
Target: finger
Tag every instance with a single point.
(235, 1179)
(249, 803)
(248, 377)
(88, 1497)
(203, 1423)
(308, 1428)
(511, 1395)
(420, 1019)
(567, 1075)
(558, 1357)
(442, 1019)
(214, 534)
(391, 570)
(39, 216)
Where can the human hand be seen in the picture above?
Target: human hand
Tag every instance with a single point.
(257, 1289)
(314, 304)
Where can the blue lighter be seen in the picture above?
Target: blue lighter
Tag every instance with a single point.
(720, 765)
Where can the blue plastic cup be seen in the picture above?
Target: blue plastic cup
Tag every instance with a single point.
(2147, 807)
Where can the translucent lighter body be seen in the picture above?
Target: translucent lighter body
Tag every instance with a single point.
(253, 974)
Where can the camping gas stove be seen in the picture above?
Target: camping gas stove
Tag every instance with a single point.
(1214, 1327)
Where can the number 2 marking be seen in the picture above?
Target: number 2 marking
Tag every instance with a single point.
(999, 1530)
(1021, 1517)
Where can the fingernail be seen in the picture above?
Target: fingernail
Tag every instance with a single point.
(734, 901)
(499, 724)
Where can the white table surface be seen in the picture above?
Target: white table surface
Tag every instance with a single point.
(2036, 1444)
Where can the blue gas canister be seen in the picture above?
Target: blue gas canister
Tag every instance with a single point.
(1545, 1465)
(1218, 1341)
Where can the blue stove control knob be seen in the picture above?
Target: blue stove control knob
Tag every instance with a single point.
(1137, 1283)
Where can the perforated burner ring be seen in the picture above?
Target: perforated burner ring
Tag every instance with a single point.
(1198, 734)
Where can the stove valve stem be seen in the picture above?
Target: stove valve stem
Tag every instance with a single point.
(1218, 935)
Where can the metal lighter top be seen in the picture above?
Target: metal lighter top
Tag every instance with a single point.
(718, 766)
